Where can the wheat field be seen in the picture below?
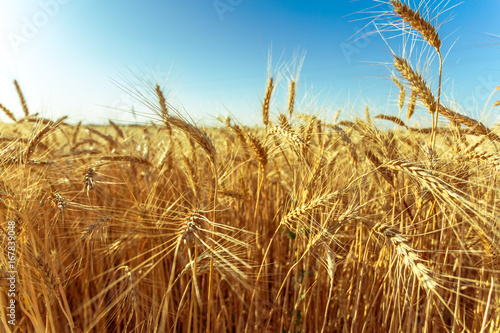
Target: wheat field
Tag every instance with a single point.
(297, 225)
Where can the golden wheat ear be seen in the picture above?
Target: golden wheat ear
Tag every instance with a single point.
(291, 98)
(431, 36)
(395, 120)
(411, 104)
(417, 82)
(117, 129)
(401, 99)
(407, 255)
(22, 99)
(8, 113)
(415, 19)
(33, 143)
(199, 136)
(260, 150)
(267, 101)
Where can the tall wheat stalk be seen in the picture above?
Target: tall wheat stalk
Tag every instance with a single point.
(430, 34)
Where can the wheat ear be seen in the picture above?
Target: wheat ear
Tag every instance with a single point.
(424, 93)
(197, 134)
(425, 28)
(401, 99)
(260, 150)
(21, 98)
(108, 138)
(117, 129)
(407, 255)
(291, 98)
(394, 119)
(39, 136)
(267, 102)
(284, 122)
(163, 106)
(297, 214)
(417, 82)
(411, 104)
(8, 113)
(430, 34)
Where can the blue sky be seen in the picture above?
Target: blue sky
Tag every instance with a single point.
(71, 56)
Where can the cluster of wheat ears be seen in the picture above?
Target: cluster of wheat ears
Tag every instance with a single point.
(299, 225)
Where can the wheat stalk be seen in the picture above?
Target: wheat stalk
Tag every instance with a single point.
(430, 34)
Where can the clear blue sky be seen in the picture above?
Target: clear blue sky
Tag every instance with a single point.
(212, 55)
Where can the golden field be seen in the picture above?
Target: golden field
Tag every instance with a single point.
(297, 225)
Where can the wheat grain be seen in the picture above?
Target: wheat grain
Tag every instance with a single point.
(428, 32)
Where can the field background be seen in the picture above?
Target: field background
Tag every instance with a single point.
(300, 224)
